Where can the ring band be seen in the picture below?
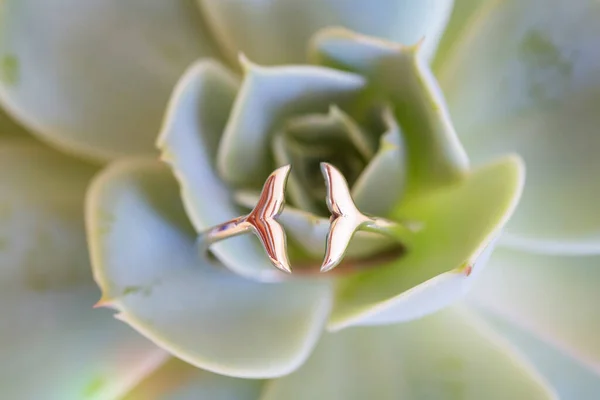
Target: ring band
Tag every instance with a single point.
(261, 221)
(346, 220)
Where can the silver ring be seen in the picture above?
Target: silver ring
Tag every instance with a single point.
(345, 220)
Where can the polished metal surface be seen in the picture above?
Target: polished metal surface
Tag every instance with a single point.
(261, 221)
(346, 219)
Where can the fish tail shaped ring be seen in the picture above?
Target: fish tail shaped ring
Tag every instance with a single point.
(261, 221)
(346, 220)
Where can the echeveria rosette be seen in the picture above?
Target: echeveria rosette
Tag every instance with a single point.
(241, 317)
(94, 77)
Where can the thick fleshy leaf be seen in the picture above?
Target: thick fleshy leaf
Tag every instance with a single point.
(459, 225)
(397, 73)
(268, 96)
(296, 192)
(570, 378)
(177, 380)
(526, 78)
(336, 124)
(276, 31)
(310, 232)
(146, 261)
(380, 186)
(555, 297)
(449, 355)
(93, 77)
(53, 344)
(196, 116)
(306, 141)
(356, 134)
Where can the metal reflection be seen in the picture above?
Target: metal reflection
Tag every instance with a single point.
(261, 221)
(346, 219)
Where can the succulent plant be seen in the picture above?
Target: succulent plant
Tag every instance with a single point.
(159, 122)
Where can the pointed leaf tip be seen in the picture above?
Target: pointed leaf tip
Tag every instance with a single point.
(104, 302)
(245, 63)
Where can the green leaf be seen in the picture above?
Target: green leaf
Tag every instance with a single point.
(196, 116)
(269, 96)
(286, 153)
(276, 31)
(449, 355)
(177, 380)
(459, 225)
(526, 78)
(555, 297)
(380, 186)
(339, 140)
(146, 262)
(331, 128)
(399, 75)
(53, 345)
(306, 141)
(571, 379)
(93, 77)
